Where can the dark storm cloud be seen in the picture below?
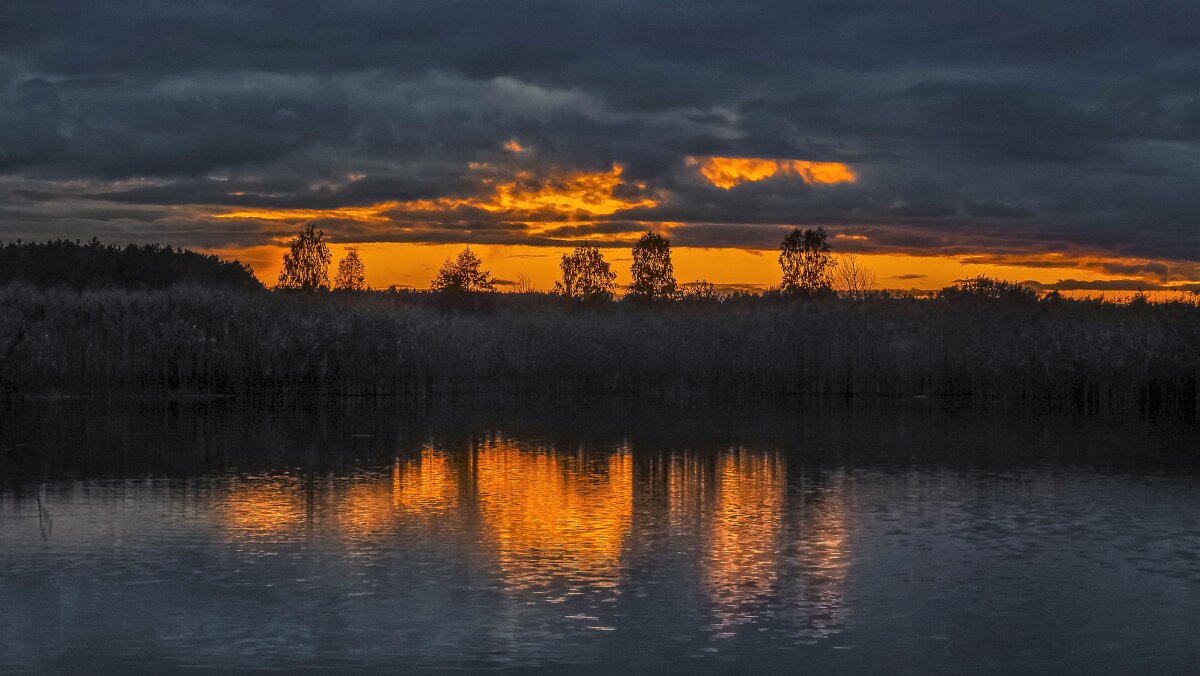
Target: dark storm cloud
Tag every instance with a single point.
(1110, 285)
(974, 128)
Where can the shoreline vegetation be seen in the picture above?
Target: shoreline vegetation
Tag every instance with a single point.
(981, 338)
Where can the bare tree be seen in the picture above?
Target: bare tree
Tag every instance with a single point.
(306, 263)
(853, 278)
(351, 273)
(523, 284)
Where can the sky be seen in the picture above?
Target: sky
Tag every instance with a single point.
(1053, 142)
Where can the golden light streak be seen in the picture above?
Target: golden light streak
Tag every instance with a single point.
(727, 172)
(747, 520)
(687, 490)
(525, 194)
(427, 487)
(265, 507)
(420, 490)
(366, 214)
(364, 508)
(414, 265)
(553, 519)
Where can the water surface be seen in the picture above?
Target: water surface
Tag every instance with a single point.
(679, 537)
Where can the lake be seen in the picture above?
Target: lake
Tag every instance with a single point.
(701, 536)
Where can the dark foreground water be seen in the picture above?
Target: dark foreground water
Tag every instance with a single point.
(698, 537)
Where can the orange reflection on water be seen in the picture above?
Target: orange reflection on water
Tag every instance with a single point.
(745, 528)
(427, 486)
(561, 526)
(551, 518)
(687, 490)
(419, 490)
(259, 507)
(817, 561)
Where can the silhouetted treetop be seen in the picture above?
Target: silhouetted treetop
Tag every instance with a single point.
(306, 263)
(351, 273)
(585, 275)
(806, 262)
(984, 288)
(96, 265)
(701, 290)
(653, 273)
(464, 274)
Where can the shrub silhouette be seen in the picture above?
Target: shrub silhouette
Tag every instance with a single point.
(700, 290)
(986, 289)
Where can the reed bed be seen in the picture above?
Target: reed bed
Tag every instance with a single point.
(385, 343)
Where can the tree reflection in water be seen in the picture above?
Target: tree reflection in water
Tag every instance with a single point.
(552, 527)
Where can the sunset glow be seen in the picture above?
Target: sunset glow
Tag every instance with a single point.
(414, 265)
(555, 208)
(262, 507)
(599, 337)
(553, 195)
(727, 172)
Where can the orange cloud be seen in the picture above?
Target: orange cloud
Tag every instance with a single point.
(727, 172)
(594, 193)
(512, 146)
(365, 214)
(562, 193)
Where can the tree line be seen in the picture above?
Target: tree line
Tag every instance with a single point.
(94, 265)
(808, 269)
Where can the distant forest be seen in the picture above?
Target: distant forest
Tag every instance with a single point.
(97, 266)
(91, 319)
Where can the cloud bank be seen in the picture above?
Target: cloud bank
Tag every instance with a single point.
(1005, 131)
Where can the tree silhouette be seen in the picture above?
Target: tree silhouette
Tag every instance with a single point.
(700, 290)
(351, 273)
(853, 278)
(586, 275)
(983, 288)
(523, 284)
(94, 265)
(806, 263)
(653, 274)
(306, 264)
(464, 274)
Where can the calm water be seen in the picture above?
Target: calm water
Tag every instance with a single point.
(700, 537)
